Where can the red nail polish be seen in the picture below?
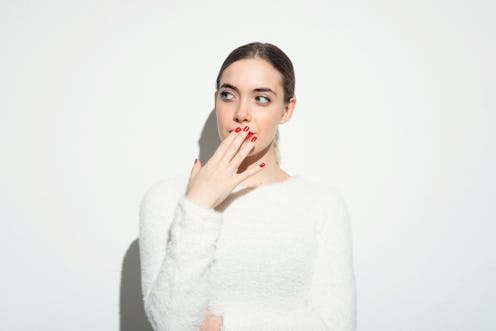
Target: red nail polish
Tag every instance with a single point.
(254, 139)
(246, 128)
(196, 160)
(237, 129)
(262, 165)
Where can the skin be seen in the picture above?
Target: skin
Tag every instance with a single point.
(251, 97)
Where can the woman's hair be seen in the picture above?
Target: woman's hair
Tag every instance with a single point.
(279, 60)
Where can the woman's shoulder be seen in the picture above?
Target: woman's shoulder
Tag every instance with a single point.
(320, 194)
(328, 201)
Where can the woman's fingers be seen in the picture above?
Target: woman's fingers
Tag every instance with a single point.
(224, 145)
(235, 144)
(209, 185)
(196, 168)
(243, 152)
(250, 172)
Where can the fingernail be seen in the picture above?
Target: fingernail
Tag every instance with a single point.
(246, 128)
(253, 139)
(237, 129)
(196, 160)
(262, 165)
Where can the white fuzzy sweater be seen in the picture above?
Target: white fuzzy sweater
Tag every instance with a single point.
(277, 257)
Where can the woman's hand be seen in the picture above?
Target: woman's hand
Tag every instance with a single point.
(211, 322)
(209, 185)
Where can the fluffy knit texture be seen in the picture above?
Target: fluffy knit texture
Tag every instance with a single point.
(277, 257)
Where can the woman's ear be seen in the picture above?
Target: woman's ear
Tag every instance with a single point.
(215, 99)
(288, 110)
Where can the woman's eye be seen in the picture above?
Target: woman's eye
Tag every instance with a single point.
(226, 95)
(262, 99)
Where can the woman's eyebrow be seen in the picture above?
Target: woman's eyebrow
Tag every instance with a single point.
(265, 89)
(232, 87)
(260, 89)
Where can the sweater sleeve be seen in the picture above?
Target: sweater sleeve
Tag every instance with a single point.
(330, 303)
(176, 250)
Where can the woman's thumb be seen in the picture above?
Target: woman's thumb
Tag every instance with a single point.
(196, 167)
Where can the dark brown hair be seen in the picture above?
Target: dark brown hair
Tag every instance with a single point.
(270, 53)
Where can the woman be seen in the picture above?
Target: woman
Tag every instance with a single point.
(242, 245)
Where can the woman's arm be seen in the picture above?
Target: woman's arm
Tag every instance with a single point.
(177, 245)
(177, 249)
(330, 303)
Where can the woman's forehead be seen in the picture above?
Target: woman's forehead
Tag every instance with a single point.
(251, 74)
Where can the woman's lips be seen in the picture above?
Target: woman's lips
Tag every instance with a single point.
(250, 134)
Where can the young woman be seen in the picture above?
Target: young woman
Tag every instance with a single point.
(240, 244)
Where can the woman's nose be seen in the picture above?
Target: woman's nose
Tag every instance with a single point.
(242, 113)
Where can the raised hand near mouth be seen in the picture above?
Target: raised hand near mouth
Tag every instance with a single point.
(210, 184)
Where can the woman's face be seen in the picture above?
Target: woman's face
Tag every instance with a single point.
(251, 93)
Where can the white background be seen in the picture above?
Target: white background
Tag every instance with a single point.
(396, 108)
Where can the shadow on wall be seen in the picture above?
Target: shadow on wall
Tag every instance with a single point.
(132, 312)
(209, 138)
